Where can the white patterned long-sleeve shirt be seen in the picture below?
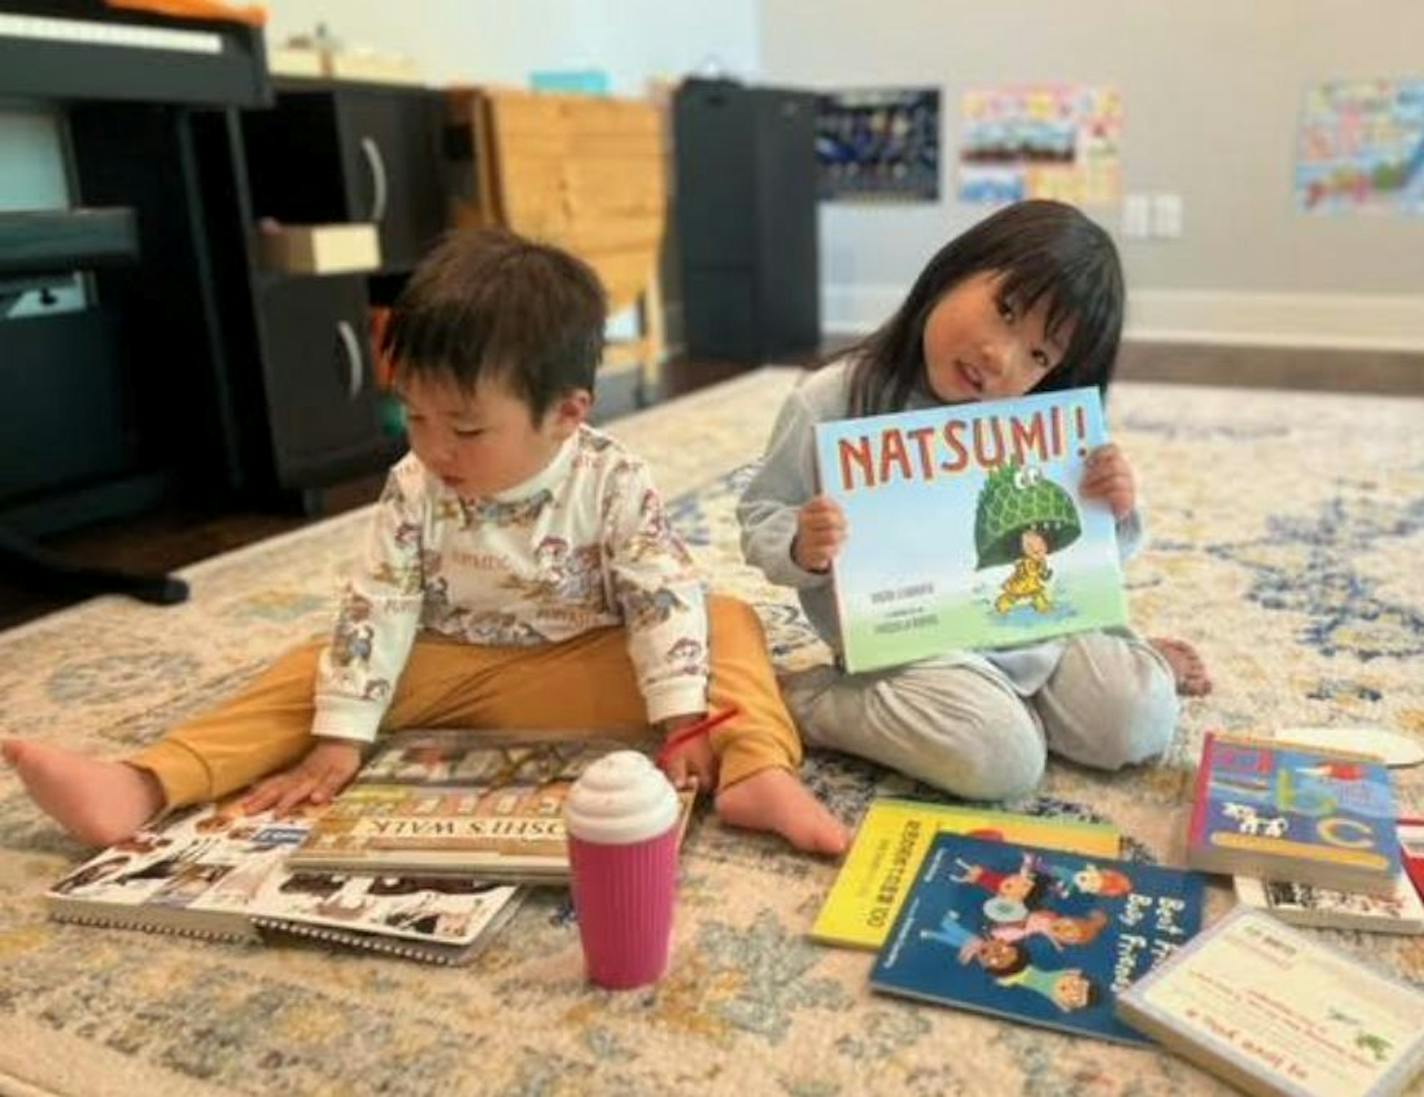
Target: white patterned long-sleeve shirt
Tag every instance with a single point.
(584, 544)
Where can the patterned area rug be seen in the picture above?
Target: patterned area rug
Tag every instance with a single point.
(1289, 530)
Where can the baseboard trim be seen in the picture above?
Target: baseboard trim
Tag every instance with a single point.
(1318, 369)
(1387, 323)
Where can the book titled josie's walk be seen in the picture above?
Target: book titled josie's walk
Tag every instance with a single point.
(968, 529)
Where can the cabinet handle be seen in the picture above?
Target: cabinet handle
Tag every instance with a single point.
(377, 164)
(355, 380)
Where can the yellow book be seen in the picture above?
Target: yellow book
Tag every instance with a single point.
(892, 841)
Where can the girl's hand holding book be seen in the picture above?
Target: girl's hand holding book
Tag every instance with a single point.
(1108, 477)
(820, 532)
(327, 768)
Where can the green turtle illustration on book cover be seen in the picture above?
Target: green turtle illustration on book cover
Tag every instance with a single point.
(967, 530)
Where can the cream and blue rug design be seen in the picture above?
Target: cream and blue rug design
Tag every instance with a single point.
(1288, 544)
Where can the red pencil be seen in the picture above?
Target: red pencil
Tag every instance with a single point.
(702, 727)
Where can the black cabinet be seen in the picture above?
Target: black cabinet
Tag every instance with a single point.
(302, 395)
(352, 153)
(317, 373)
(746, 219)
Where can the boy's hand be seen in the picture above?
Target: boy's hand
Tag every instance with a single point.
(1108, 477)
(692, 761)
(820, 532)
(318, 777)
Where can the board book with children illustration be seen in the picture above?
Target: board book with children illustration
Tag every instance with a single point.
(890, 845)
(1271, 810)
(214, 871)
(967, 529)
(1034, 935)
(1276, 1012)
(1327, 908)
(467, 802)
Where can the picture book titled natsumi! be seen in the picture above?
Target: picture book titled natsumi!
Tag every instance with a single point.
(967, 529)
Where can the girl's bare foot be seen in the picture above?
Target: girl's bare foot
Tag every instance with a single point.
(774, 799)
(1187, 666)
(97, 802)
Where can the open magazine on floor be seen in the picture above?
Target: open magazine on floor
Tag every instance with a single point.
(215, 871)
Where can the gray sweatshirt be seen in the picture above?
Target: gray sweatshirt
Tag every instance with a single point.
(787, 480)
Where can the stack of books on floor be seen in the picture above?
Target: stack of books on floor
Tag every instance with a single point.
(425, 855)
(1026, 917)
(1311, 835)
(1037, 920)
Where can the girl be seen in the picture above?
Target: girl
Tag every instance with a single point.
(1028, 300)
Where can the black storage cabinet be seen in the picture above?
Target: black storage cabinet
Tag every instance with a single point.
(746, 219)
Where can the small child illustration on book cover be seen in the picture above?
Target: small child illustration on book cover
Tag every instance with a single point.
(1036, 935)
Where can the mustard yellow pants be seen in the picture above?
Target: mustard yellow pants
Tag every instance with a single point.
(586, 683)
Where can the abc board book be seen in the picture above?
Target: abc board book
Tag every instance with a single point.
(890, 844)
(1035, 935)
(1275, 811)
(215, 871)
(1401, 911)
(474, 803)
(967, 529)
(1281, 1014)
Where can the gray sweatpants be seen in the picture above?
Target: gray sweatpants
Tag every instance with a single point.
(959, 724)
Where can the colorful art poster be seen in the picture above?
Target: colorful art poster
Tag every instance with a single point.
(1361, 148)
(878, 145)
(1058, 141)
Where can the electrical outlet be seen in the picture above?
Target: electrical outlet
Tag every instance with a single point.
(1167, 216)
(1136, 223)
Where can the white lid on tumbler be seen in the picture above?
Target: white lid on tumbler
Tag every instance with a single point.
(620, 799)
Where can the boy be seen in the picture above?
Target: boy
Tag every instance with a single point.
(519, 573)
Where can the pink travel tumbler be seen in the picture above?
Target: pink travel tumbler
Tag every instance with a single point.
(622, 817)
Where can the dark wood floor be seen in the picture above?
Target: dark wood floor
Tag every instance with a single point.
(175, 537)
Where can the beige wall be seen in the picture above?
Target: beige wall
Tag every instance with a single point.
(502, 41)
(1212, 92)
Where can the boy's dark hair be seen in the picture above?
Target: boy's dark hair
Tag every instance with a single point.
(1042, 249)
(488, 305)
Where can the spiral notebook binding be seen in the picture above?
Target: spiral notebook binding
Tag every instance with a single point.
(394, 946)
(100, 921)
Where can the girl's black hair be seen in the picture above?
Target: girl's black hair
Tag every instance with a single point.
(490, 305)
(1041, 249)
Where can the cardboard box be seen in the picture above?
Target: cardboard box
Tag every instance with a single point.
(320, 249)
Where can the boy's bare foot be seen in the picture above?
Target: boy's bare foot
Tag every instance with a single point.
(1187, 666)
(774, 799)
(97, 802)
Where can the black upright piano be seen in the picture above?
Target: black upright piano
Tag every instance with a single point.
(108, 408)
